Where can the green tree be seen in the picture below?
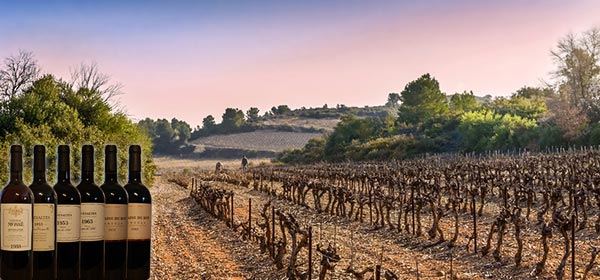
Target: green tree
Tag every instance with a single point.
(208, 123)
(148, 125)
(533, 92)
(476, 129)
(233, 119)
(393, 99)
(530, 108)
(252, 114)
(487, 130)
(48, 112)
(168, 137)
(182, 132)
(463, 102)
(349, 129)
(421, 100)
(281, 110)
(164, 136)
(43, 103)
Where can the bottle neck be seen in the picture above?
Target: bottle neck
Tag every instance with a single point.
(87, 166)
(64, 168)
(39, 177)
(110, 167)
(16, 177)
(39, 167)
(135, 166)
(135, 176)
(16, 166)
(87, 176)
(110, 177)
(64, 175)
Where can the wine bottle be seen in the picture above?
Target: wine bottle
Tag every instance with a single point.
(16, 208)
(139, 227)
(115, 211)
(44, 219)
(68, 219)
(92, 219)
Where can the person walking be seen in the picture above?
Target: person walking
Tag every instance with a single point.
(218, 167)
(244, 163)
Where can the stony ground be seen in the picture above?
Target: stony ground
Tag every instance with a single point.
(188, 243)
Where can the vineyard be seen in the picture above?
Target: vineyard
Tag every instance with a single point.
(496, 217)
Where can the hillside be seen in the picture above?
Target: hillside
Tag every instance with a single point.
(260, 143)
(275, 131)
(260, 140)
(293, 122)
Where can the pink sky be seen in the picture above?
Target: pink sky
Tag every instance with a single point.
(188, 66)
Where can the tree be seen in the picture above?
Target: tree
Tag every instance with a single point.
(91, 106)
(49, 112)
(43, 103)
(88, 76)
(232, 119)
(422, 100)
(572, 121)
(529, 108)
(252, 114)
(348, 130)
(18, 73)
(578, 71)
(168, 137)
(463, 102)
(533, 92)
(283, 109)
(280, 110)
(148, 126)
(164, 135)
(182, 132)
(208, 123)
(393, 99)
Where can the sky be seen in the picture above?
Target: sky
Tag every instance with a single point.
(189, 59)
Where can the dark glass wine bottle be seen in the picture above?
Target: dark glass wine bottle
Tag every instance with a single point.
(92, 219)
(68, 220)
(139, 227)
(16, 208)
(44, 219)
(115, 211)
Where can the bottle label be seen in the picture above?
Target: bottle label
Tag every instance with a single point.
(44, 237)
(92, 221)
(68, 223)
(16, 226)
(140, 221)
(115, 225)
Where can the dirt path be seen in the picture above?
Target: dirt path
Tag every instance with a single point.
(189, 244)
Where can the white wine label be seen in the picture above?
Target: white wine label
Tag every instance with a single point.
(44, 222)
(16, 226)
(140, 221)
(115, 225)
(92, 221)
(68, 223)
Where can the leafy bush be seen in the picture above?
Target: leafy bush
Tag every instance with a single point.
(487, 130)
(51, 112)
(168, 137)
